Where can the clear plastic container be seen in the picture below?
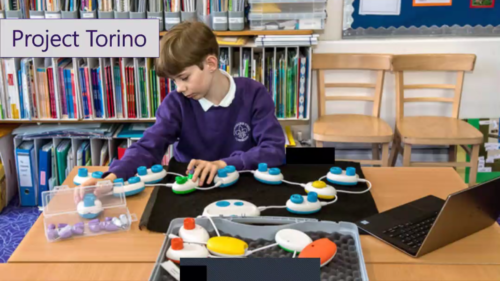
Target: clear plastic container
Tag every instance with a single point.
(287, 14)
(100, 212)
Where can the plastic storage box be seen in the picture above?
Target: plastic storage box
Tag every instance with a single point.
(287, 14)
(66, 219)
(348, 263)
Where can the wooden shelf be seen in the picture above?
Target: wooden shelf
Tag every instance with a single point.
(257, 32)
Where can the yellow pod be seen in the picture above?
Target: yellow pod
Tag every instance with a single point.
(227, 246)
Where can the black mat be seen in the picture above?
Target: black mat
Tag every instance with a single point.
(164, 205)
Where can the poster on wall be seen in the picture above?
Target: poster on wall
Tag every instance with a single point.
(482, 3)
(419, 3)
(380, 7)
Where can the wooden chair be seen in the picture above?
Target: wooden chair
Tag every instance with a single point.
(353, 128)
(434, 130)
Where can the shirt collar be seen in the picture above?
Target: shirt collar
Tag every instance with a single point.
(227, 100)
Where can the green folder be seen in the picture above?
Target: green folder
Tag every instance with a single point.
(62, 159)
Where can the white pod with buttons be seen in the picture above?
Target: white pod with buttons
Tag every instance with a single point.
(133, 186)
(304, 205)
(178, 249)
(153, 175)
(192, 232)
(81, 177)
(323, 190)
(338, 176)
(231, 207)
(227, 176)
(184, 185)
(268, 176)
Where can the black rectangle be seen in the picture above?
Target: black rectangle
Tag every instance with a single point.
(250, 269)
(194, 273)
(310, 155)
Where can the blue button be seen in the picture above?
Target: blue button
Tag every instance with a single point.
(336, 170)
(222, 173)
(120, 180)
(274, 171)
(133, 180)
(157, 168)
(230, 169)
(312, 197)
(222, 204)
(83, 172)
(142, 171)
(350, 171)
(88, 200)
(97, 175)
(238, 203)
(262, 167)
(297, 199)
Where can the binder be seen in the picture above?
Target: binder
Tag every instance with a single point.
(25, 172)
(62, 159)
(45, 169)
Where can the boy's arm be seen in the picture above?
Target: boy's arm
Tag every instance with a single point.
(266, 132)
(149, 150)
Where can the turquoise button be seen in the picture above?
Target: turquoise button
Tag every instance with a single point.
(83, 172)
(297, 199)
(156, 168)
(262, 167)
(238, 203)
(120, 180)
(230, 169)
(142, 171)
(350, 171)
(336, 170)
(222, 173)
(274, 171)
(133, 180)
(88, 200)
(97, 175)
(222, 204)
(312, 197)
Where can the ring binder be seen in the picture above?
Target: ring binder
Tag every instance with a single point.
(219, 21)
(236, 20)
(171, 19)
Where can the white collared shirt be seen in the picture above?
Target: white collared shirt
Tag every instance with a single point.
(227, 100)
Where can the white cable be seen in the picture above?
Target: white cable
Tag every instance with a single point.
(358, 192)
(260, 249)
(175, 174)
(263, 208)
(294, 253)
(213, 224)
(294, 183)
(246, 171)
(322, 178)
(160, 184)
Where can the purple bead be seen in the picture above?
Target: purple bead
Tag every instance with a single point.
(52, 226)
(94, 227)
(94, 221)
(52, 233)
(79, 224)
(78, 228)
(65, 232)
(111, 227)
(109, 218)
(61, 225)
(103, 224)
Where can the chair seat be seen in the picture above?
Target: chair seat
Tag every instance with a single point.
(352, 128)
(436, 130)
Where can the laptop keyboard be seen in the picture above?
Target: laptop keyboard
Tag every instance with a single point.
(412, 233)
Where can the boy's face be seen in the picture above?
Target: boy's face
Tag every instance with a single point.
(193, 82)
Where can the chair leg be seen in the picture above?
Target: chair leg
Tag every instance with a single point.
(385, 155)
(319, 143)
(395, 150)
(452, 153)
(474, 157)
(375, 151)
(407, 155)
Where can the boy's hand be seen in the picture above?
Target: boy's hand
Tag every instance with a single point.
(204, 168)
(80, 192)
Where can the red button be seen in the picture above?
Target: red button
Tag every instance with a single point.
(189, 223)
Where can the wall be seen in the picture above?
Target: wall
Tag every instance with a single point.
(481, 93)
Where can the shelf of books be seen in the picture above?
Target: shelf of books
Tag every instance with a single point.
(128, 89)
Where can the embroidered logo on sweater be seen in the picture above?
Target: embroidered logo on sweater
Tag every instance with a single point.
(241, 131)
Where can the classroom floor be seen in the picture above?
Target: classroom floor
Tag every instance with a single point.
(15, 221)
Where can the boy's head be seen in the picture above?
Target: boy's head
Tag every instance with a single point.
(189, 55)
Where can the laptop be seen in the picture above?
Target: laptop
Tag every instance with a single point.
(429, 223)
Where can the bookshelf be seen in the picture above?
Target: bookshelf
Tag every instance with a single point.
(257, 32)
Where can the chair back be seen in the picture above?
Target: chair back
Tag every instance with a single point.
(431, 62)
(374, 62)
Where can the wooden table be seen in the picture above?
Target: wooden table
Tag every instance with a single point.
(476, 257)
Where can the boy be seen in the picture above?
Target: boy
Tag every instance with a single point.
(212, 119)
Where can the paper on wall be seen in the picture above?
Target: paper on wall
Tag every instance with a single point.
(380, 7)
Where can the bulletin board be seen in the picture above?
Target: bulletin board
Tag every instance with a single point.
(461, 18)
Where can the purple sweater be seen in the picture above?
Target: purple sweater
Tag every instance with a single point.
(243, 134)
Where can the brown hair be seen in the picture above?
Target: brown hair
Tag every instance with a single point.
(185, 45)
